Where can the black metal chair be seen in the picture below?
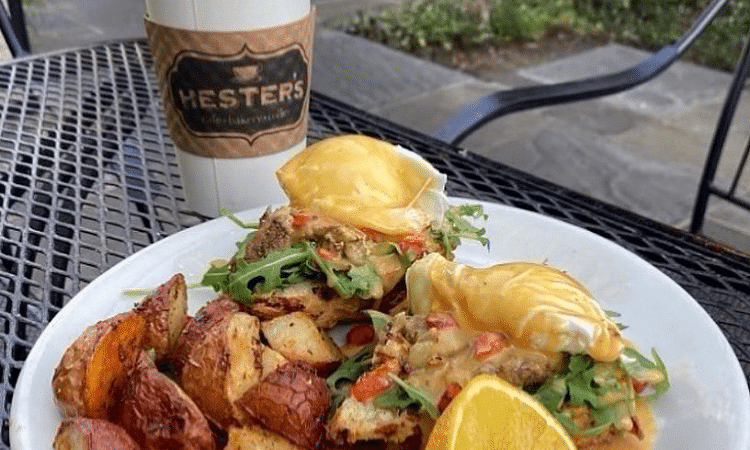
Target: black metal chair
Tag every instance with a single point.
(471, 117)
(13, 27)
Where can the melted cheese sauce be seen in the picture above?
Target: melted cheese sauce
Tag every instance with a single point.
(629, 441)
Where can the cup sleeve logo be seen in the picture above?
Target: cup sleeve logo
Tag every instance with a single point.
(243, 95)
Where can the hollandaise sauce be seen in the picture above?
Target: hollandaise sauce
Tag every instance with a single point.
(541, 308)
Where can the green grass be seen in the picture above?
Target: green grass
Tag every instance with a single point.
(426, 26)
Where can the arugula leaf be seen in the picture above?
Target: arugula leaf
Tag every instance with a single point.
(347, 372)
(217, 275)
(276, 269)
(455, 227)
(379, 319)
(604, 388)
(395, 397)
(219, 271)
(243, 278)
(404, 395)
(613, 315)
(641, 368)
(361, 281)
(142, 292)
(552, 394)
(298, 262)
(580, 381)
(231, 216)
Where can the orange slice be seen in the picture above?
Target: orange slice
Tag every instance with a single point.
(490, 413)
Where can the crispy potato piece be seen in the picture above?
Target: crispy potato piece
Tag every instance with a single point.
(271, 360)
(158, 414)
(92, 371)
(292, 401)
(196, 327)
(254, 437)
(355, 422)
(82, 433)
(165, 311)
(223, 365)
(297, 337)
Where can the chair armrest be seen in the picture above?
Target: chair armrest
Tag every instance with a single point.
(472, 116)
(11, 26)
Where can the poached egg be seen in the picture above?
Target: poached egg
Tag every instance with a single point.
(539, 307)
(366, 182)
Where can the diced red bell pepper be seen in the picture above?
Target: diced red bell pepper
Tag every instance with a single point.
(300, 218)
(371, 234)
(449, 393)
(360, 334)
(415, 243)
(489, 342)
(440, 320)
(324, 253)
(638, 386)
(372, 383)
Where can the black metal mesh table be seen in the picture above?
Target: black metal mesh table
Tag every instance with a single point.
(88, 176)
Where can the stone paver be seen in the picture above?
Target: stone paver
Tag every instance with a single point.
(379, 76)
(683, 86)
(57, 24)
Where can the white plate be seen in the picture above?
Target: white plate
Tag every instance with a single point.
(708, 406)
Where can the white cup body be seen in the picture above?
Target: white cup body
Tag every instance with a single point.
(226, 15)
(232, 184)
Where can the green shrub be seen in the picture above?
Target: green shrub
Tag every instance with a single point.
(528, 19)
(650, 24)
(421, 25)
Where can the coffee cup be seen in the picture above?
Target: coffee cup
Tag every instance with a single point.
(234, 78)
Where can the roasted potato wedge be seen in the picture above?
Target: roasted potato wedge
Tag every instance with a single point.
(165, 312)
(82, 433)
(196, 327)
(223, 365)
(92, 372)
(296, 336)
(254, 437)
(271, 360)
(158, 414)
(355, 423)
(292, 401)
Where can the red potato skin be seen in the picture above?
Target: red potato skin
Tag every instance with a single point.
(196, 327)
(292, 401)
(165, 312)
(222, 365)
(158, 414)
(92, 372)
(81, 433)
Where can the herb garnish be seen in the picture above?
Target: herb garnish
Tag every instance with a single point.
(456, 226)
(379, 319)
(404, 395)
(605, 388)
(242, 279)
(231, 216)
(641, 368)
(348, 372)
(296, 263)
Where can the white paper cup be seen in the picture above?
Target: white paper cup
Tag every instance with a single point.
(214, 183)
